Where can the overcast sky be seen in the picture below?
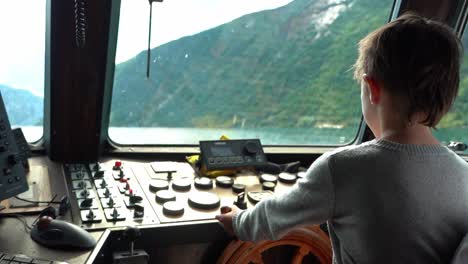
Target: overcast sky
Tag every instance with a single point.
(173, 19)
(22, 44)
(22, 31)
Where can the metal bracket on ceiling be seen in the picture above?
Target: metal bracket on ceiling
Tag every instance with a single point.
(148, 58)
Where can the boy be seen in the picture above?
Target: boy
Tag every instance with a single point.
(403, 197)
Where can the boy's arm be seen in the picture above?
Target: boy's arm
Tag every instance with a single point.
(310, 201)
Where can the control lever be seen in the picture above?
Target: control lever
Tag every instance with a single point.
(132, 256)
(132, 233)
(240, 202)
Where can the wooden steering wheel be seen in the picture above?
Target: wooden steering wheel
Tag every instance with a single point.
(308, 240)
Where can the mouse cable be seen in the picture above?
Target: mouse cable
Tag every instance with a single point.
(31, 201)
(20, 217)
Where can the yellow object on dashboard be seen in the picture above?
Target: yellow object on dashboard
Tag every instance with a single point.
(194, 160)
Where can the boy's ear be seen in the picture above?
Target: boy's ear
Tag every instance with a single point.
(374, 89)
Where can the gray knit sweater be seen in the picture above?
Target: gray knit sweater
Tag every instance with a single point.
(384, 203)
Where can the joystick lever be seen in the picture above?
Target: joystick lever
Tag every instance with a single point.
(240, 202)
(132, 233)
(133, 256)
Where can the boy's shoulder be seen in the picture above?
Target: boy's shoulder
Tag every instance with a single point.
(352, 150)
(386, 150)
(348, 153)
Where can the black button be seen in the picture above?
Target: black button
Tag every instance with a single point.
(139, 211)
(6, 171)
(251, 148)
(17, 178)
(12, 159)
(10, 180)
(86, 202)
(135, 199)
(99, 174)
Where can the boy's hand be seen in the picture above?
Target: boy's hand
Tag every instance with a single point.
(225, 218)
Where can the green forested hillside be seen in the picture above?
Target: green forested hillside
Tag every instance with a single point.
(23, 107)
(458, 117)
(275, 68)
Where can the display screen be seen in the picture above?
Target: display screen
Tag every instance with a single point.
(221, 151)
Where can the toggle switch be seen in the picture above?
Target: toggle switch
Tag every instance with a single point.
(139, 211)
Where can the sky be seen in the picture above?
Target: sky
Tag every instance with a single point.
(22, 31)
(22, 44)
(173, 19)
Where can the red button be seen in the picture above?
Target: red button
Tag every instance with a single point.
(44, 222)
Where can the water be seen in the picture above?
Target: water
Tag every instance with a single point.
(268, 136)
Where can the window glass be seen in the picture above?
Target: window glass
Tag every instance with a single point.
(454, 126)
(278, 70)
(22, 50)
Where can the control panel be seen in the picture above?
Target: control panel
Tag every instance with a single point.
(12, 173)
(126, 193)
(24, 153)
(225, 154)
(106, 196)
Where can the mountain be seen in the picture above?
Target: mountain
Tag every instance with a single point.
(457, 117)
(288, 67)
(23, 107)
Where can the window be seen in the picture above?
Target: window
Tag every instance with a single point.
(278, 70)
(22, 51)
(454, 126)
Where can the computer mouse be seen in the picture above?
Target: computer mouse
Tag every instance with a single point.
(55, 233)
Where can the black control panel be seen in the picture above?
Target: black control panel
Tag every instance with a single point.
(224, 154)
(12, 172)
(24, 153)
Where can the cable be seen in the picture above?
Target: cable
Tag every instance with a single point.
(64, 205)
(49, 211)
(30, 201)
(53, 198)
(148, 55)
(80, 23)
(27, 227)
